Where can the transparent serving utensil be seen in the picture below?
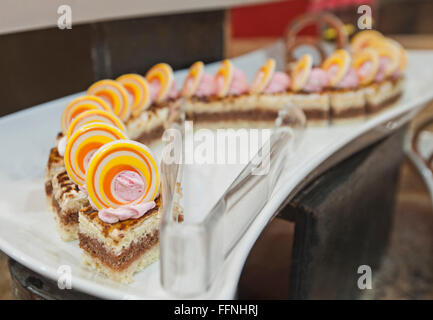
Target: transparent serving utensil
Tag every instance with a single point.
(192, 252)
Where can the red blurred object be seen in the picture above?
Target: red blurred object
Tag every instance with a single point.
(319, 5)
(270, 20)
(265, 20)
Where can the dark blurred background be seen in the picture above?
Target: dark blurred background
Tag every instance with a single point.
(43, 64)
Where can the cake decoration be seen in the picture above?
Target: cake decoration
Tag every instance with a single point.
(193, 79)
(337, 65)
(223, 78)
(301, 71)
(92, 116)
(83, 144)
(366, 63)
(389, 58)
(161, 81)
(365, 39)
(78, 105)
(114, 94)
(122, 178)
(138, 92)
(263, 76)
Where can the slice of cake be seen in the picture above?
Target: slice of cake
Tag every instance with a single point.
(160, 93)
(386, 85)
(308, 90)
(119, 231)
(346, 96)
(118, 250)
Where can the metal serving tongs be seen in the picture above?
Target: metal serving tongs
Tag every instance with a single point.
(192, 253)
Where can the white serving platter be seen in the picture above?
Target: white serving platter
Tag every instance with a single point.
(27, 230)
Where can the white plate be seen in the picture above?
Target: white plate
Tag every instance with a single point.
(27, 230)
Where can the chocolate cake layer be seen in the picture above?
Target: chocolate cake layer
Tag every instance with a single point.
(371, 109)
(250, 115)
(348, 113)
(151, 136)
(316, 114)
(66, 218)
(118, 262)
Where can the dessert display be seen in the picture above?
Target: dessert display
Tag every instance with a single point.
(347, 85)
(102, 180)
(119, 231)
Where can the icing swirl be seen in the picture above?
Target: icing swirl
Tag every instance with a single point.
(238, 85)
(317, 80)
(111, 215)
(155, 87)
(279, 82)
(127, 186)
(384, 62)
(350, 79)
(205, 87)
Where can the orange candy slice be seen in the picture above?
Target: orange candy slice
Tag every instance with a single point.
(402, 55)
(114, 94)
(163, 73)
(92, 116)
(79, 105)
(224, 78)
(301, 71)
(138, 90)
(263, 76)
(363, 57)
(192, 79)
(390, 50)
(340, 60)
(114, 158)
(365, 39)
(83, 144)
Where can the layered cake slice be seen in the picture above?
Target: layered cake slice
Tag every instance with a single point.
(307, 90)
(387, 82)
(118, 250)
(68, 196)
(119, 232)
(157, 95)
(346, 95)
